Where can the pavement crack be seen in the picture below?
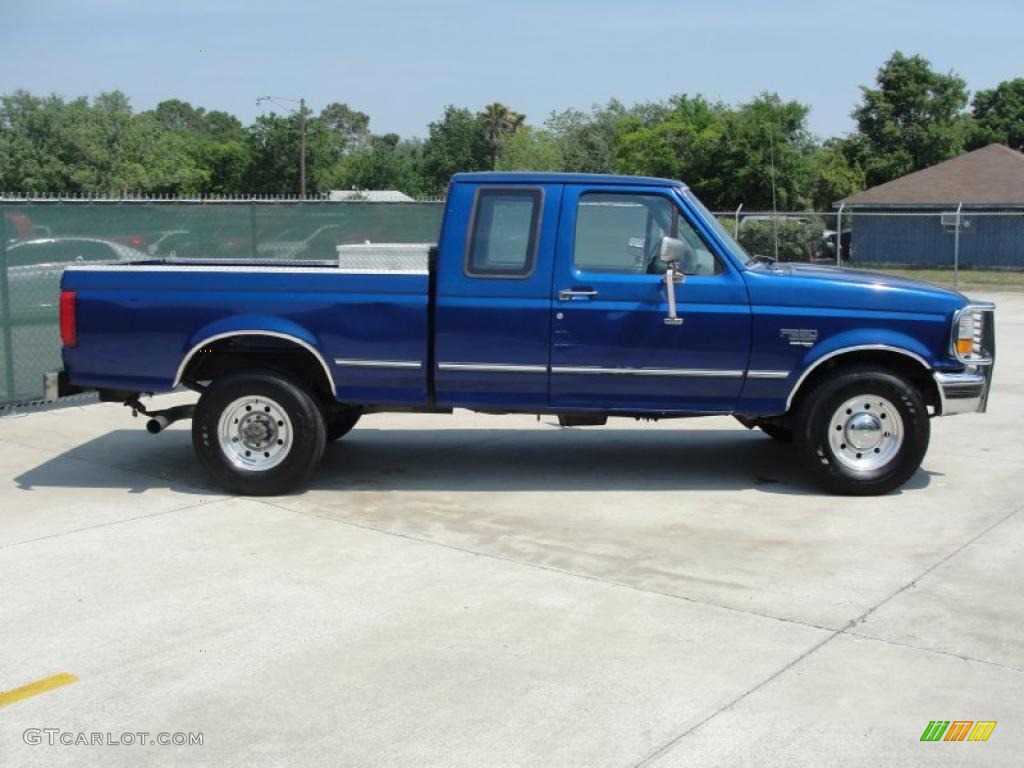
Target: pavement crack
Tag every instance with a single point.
(949, 654)
(667, 746)
(114, 522)
(913, 582)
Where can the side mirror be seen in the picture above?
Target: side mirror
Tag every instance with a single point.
(672, 250)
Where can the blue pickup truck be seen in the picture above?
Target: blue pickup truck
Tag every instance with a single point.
(578, 296)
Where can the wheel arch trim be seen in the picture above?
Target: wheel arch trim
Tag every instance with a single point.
(255, 332)
(846, 350)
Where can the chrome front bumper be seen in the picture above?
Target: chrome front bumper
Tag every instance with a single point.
(965, 392)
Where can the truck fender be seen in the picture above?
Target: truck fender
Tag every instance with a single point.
(858, 341)
(253, 325)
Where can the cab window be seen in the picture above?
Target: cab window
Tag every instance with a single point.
(503, 235)
(621, 233)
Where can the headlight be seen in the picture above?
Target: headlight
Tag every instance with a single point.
(969, 343)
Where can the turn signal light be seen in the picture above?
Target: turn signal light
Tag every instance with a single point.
(965, 346)
(68, 327)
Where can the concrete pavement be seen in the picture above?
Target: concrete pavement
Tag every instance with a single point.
(494, 591)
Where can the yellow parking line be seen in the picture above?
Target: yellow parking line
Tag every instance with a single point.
(34, 689)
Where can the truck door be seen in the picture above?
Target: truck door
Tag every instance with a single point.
(611, 347)
(493, 305)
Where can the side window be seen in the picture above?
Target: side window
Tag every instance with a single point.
(621, 233)
(503, 238)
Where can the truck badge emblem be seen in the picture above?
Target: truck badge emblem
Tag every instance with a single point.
(799, 337)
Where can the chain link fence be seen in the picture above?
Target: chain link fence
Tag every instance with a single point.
(944, 245)
(41, 236)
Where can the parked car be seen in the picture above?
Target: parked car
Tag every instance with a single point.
(34, 268)
(827, 252)
(583, 297)
(300, 242)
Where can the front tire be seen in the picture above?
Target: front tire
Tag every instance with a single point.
(258, 433)
(863, 432)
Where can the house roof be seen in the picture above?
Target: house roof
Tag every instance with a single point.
(992, 175)
(370, 195)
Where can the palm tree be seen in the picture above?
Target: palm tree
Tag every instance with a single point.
(499, 121)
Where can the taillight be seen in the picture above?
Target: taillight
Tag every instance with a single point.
(68, 328)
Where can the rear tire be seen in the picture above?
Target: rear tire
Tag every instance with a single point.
(258, 433)
(862, 432)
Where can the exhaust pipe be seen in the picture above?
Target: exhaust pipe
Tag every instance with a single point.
(160, 420)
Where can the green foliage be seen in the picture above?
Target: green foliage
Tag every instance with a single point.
(834, 176)
(799, 238)
(587, 141)
(351, 126)
(500, 124)
(273, 142)
(912, 120)
(383, 164)
(457, 142)
(729, 154)
(999, 116)
(530, 149)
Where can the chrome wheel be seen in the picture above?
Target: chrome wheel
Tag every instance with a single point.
(865, 433)
(255, 433)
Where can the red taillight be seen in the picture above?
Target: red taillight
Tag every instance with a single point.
(68, 329)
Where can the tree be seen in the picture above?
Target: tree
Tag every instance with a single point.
(37, 151)
(214, 141)
(273, 144)
(457, 142)
(530, 149)
(912, 120)
(835, 176)
(350, 125)
(499, 123)
(587, 142)
(382, 164)
(728, 155)
(672, 144)
(999, 115)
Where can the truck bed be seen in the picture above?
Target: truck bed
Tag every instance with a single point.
(166, 310)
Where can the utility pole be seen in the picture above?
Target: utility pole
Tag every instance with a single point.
(302, 134)
(302, 148)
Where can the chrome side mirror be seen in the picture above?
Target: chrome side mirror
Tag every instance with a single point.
(672, 250)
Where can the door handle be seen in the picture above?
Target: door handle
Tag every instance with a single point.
(570, 294)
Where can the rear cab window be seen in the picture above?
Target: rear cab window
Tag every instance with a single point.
(503, 233)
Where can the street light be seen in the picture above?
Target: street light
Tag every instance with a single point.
(302, 134)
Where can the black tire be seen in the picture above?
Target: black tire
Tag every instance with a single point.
(777, 432)
(293, 449)
(823, 411)
(340, 424)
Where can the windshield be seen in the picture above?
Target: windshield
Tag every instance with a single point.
(722, 231)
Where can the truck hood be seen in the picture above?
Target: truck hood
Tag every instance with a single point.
(841, 287)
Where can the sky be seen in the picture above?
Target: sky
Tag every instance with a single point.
(401, 61)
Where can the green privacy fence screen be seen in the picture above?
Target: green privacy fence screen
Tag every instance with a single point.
(40, 238)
